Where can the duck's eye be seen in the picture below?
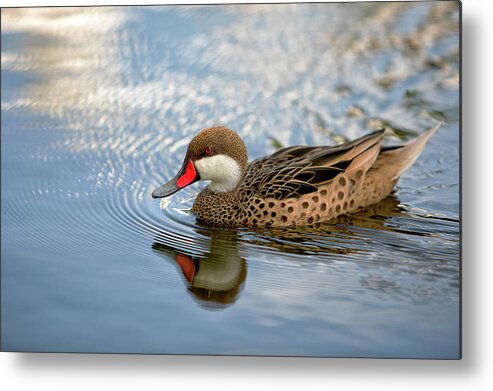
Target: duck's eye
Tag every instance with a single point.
(208, 151)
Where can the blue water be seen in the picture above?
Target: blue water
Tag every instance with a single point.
(98, 106)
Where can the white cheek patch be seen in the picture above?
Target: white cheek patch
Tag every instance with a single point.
(223, 172)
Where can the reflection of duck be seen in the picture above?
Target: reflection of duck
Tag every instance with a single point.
(215, 278)
(295, 185)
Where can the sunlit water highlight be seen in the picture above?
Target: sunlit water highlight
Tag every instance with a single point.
(98, 106)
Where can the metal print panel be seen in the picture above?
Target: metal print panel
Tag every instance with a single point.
(318, 213)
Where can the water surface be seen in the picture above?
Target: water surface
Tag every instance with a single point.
(98, 106)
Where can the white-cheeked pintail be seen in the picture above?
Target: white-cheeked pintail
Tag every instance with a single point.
(294, 186)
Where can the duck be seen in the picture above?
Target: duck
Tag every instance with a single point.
(294, 186)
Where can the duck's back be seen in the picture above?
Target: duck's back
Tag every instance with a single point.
(306, 185)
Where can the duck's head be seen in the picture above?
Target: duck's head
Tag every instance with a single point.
(215, 154)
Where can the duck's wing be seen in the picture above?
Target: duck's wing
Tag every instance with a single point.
(295, 171)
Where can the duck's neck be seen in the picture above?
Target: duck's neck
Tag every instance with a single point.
(223, 171)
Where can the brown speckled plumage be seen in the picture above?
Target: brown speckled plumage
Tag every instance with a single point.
(301, 185)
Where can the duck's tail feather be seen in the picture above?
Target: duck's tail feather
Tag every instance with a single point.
(396, 160)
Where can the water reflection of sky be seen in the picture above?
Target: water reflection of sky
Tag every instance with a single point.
(204, 66)
(98, 105)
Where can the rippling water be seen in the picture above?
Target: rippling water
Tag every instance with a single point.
(98, 106)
